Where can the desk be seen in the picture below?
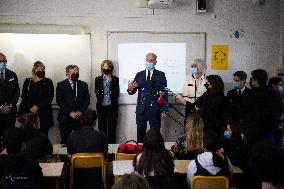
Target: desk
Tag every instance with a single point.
(52, 170)
(112, 148)
(125, 166)
(122, 167)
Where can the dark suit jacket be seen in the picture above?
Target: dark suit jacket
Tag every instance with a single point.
(10, 91)
(113, 90)
(236, 104)
(65, 99)
(86, 140)
(148, 94)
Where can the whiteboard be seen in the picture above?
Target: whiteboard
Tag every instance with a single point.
(56, 51)
(175, 53)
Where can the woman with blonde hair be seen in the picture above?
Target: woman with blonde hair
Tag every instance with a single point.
(37, 95)
(189, 145)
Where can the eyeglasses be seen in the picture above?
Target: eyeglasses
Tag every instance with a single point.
(3, 61)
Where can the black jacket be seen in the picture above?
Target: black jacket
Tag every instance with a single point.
(9, 90)
(113, 90)
(262, 109)
(86, 140)
(41, 94)
(236, 104)
(20, 171)
(36, 144)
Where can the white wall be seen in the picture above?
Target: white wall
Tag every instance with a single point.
(258, 48)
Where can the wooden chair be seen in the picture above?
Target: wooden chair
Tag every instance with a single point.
(87, 160)
(209, 182)
(123, 156)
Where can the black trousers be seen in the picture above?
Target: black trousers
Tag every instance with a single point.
(107, 120)
(67, 127)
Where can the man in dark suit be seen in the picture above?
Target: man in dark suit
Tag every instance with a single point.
(236, 95)
(149, 83)
(73, 98)
(9, 96)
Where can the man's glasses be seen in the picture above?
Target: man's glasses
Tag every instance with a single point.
(3, 61)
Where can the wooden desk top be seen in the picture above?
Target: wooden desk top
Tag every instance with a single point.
(52, 169)
(122, 167)
(125, 166)
(112, 148)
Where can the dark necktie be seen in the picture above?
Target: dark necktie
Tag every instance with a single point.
(148, 78)
(239, 92)
(2, 76)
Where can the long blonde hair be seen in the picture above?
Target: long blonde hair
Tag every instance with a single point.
(194, 132)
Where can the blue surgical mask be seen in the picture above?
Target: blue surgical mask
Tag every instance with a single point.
(194, 71)
(2, 66)
(237, 85)
(149, 66)
(280, 89)
(227, 135)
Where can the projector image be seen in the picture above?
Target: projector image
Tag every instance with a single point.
(159, 4)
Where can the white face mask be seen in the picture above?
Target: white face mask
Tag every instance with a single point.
(237, 85)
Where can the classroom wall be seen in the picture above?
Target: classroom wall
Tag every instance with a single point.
(260, 46)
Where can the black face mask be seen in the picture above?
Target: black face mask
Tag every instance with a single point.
(206, 85)
(75, 77)
(40, 74)
(106, 71)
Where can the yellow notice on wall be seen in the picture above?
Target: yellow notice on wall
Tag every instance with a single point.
(219, 57)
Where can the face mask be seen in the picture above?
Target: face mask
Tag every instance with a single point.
(75, 77)
(2, 66)
(237, 85)
(40, 74)
(194, 71)
(280, 89)
(227, 135)
(106, 71)
(149, 66)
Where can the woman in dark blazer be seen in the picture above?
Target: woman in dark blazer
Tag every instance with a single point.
(107, 92)
(37, 95)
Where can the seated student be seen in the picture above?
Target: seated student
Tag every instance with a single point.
(267, 165)
(190, 144)
(87, 139)
(19, 170)
(36, 144)
(211, 162)
(155, 162)
(131, 181)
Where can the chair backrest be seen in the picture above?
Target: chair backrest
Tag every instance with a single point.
(86, 160)
(123, 156)
(209, 182)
